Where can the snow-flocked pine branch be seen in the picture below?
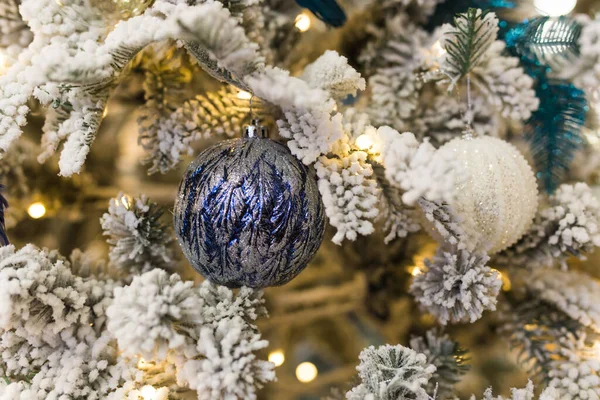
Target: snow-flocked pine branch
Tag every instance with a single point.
(457, 286)
(139, 239)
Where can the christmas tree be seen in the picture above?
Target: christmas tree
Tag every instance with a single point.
(278, 199)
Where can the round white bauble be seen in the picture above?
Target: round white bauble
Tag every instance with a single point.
(498, 198)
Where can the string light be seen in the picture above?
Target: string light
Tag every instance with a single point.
(306, 372)
(3, 62)
(506, 283)
(142, 363)
(302, 22)
(126, 201)
(243, 95)
(554, 8)
(437, 49)
(364, 142)
(277, 357)
(36, 210)
(148, 392)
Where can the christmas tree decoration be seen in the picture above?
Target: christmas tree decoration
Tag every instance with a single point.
(366, 122)
(497, 203)
(248, 213)
(544, 46)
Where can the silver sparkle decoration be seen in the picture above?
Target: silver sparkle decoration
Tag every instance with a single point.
(248, 213)
(495, 206)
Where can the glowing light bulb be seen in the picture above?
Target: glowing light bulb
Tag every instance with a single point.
(302, 22)
(506, 283)
(596, 350)
(437, 49)
(364, 142)
(148, 392)
(126, 201)
(36, 210)
(277, 357)
(306, 372)
(243, 95)
(554, 8)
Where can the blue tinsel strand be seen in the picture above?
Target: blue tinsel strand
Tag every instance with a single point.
(554, 130)
(3, 205)
(326, 10)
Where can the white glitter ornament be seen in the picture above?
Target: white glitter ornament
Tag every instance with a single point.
(498, 200)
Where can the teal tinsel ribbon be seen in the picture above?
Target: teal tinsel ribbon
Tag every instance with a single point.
(554, 130)
(3, 205)
(327, 11)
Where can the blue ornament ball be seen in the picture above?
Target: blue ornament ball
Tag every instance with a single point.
(248, 213)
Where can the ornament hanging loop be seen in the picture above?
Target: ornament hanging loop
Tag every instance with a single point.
(469, 133)
(255, 129)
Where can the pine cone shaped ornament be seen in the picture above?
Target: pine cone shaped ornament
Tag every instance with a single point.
(249, 213)
(496, 203)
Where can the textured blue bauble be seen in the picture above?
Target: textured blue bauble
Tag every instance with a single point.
(248, 213)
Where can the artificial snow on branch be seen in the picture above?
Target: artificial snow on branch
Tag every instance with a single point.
(574, 293)
(139, 240)
(154, 314)
(14, 33)
(457, 286)
(392, 373)
(161, 134)
(77, 73)
(569, 226)
(207, 332)
(332, 73)
(308, 122)
(522, 394)
(505, 84)
(225, 365)
(416, 168)
(349, 194)
(448, 358)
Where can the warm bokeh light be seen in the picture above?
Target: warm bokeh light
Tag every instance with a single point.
(414, 271)
(142, 363)
(306, 372)
(506, 283)
(554, 8)
(437, 49)
(105, 112)
(148, 392)
(243, 95)
(277, 357)
(302, 22)
(3, 62)
(364, 142)
(36, 210)
(126, 201)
